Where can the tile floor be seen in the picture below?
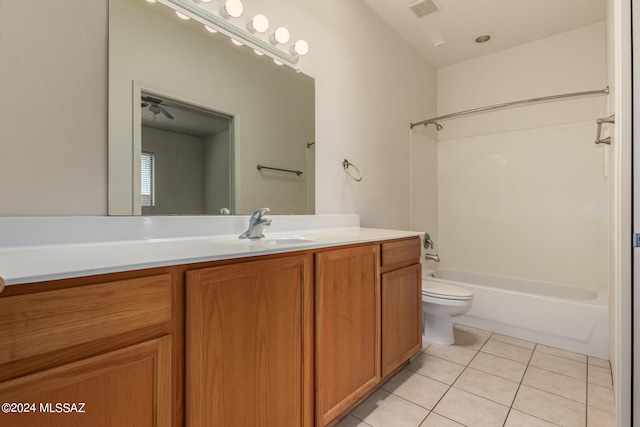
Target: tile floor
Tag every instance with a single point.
(491, 380)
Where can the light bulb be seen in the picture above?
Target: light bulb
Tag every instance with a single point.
(205, 1)
(280, 36)
(259, 24)
(151, 1)
(300, 48)
(211, 30)
(236, 42)
(182, 15)
(277, 62)
(232, 8)
(257, 52)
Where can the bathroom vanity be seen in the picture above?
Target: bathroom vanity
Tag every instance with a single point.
(289, 334)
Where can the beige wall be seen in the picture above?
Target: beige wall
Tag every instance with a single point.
(53, 108)
(369, 86)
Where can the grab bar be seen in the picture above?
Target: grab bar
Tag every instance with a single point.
(607, 140)
(260, 167)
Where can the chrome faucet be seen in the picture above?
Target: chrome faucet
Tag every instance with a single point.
(432, 257)
(256, 224)
(428, 243)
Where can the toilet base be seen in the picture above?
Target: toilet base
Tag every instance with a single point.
(437, 329)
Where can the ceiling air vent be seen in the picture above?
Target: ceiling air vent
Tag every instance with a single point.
(424, 7)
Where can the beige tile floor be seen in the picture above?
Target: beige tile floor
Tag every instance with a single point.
(491, 380)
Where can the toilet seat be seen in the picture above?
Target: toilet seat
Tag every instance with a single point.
(445, 291)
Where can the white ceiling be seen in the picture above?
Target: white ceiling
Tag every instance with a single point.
(511, 22)
(188, 121)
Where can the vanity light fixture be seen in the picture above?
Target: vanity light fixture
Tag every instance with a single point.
(252, 32)
(232, 9)
(300, 48)
(151, 1)
(236, 42)
(182, 16)
(277, 62)
(259, 24)
(281, 36)
(257, 52)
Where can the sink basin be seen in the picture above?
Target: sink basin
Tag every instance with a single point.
(282, 240)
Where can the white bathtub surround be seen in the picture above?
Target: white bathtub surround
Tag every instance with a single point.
(35, 249)
(563, 316)
(523, 192)
(530, 204)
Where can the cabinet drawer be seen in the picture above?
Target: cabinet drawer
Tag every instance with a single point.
(45, 322)
(401, 252)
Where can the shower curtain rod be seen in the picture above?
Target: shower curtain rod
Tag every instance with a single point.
(507, 104)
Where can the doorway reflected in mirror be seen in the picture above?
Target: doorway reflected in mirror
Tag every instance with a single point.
(186, 165)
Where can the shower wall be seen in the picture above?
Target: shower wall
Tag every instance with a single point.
(522, 192)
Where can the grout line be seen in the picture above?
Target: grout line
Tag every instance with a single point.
(520, 384)
(586, 397)
(450, 386)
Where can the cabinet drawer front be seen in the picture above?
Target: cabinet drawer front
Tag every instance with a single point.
(401, 251)
(44, 322)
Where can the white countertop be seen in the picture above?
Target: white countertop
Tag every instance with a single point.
(73, 253)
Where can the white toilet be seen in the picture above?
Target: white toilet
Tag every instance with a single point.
(441, 301)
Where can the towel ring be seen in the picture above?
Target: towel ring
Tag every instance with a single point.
(346, 165)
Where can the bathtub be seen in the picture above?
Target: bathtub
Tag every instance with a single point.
(563, 316)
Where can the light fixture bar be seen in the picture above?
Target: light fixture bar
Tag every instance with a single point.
(225, 27)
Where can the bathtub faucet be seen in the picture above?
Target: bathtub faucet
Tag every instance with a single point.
(428, 243)
(432, 257)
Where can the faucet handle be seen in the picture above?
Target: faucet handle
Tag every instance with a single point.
(257, 215)
(428, 243)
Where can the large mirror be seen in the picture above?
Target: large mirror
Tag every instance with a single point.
(214, 91)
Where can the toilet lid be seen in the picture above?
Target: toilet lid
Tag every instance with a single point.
(445, 290)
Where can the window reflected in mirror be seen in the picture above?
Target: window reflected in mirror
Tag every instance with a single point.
(146, 180)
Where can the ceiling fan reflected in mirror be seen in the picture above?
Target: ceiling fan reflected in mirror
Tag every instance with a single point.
(154, 106)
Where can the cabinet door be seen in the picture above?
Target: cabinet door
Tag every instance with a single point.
(348, 328)
(127, 387)
(249, 344)
(401, 316)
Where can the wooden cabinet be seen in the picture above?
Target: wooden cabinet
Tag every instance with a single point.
(97, 354)
(368, 325)
(401, 317)
(249, 344)
(401, 303)
(347, 328)
(127, 387)
(293, 340)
